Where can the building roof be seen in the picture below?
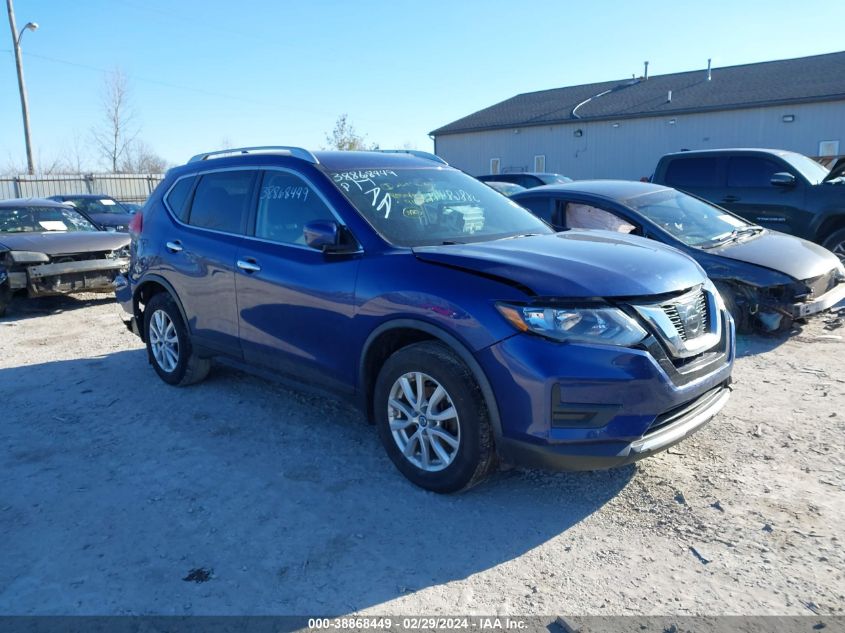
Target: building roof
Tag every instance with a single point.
(804, 79)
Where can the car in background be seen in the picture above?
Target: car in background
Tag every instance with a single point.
(461, 324)
(780, 190)
(526, 179)
(104, 210)
(504, 188)
(766, 278)
(49, 248)
(131, 207)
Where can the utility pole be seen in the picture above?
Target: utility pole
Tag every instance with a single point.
(16, 39)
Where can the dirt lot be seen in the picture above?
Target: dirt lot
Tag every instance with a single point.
(121, 495)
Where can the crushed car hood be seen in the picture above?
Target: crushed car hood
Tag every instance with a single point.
(575, 263)
(837, 170)
(784, 253)
(60, 243)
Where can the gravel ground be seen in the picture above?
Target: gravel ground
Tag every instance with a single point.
(122, 495)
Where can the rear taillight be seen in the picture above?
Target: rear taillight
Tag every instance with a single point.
(136, 224)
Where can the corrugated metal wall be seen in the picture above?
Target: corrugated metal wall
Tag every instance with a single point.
(125, 187)
(630, 148)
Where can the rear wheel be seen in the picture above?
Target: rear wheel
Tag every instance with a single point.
(835, 243)
(432, 418)
(169, 344)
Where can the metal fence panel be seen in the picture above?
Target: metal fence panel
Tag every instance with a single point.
(125, 187)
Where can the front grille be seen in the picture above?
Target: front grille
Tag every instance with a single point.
(685, 410)
(680, 325)
(77, 257)
(821, 284)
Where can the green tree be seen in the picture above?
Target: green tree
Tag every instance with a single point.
(345, 137)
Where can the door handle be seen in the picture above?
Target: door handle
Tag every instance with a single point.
(248, 266)
(174, 247)
(730, 199)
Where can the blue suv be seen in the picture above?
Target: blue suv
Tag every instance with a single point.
(467, 329)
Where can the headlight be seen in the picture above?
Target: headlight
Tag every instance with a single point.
(608, 326)
(29, 257)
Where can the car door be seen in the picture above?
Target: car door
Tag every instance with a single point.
(295, 303)
(198, 257)
(750, 193)
(702, 176)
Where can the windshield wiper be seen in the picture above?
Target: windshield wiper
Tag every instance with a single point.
(513, 237)
(733, 236)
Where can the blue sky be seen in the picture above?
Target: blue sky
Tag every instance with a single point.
(203, 72)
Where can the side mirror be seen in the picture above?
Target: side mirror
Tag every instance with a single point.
(783, 179)
(327, 236)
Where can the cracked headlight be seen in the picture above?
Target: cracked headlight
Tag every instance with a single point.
(29, 257)
(607, 326)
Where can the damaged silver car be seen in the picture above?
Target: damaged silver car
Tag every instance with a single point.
(48, 248)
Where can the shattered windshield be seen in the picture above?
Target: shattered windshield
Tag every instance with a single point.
(426, 207)
(692, 221)
(42, 220)
(98, 205)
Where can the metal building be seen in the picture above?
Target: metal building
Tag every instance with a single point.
(619, 129)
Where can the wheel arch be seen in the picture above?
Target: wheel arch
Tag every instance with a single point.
(398, 333)
(833, 221)
(149, 286)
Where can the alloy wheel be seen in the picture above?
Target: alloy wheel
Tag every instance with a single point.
(424, 421)
(164, 341)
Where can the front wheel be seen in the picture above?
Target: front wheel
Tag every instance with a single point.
(169, 344)
(432, 418)
(835, 243)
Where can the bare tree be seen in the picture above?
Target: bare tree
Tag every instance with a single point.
(139, 158)
(118, 128)
(344, 136)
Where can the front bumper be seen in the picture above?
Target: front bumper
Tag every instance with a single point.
(827, 300)
(585, 407)
(92, 275)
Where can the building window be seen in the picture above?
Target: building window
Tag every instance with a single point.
(494, 165)
(829, 148)
(540, 164)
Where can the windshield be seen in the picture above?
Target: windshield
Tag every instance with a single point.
(97, 205)
(426, 207)
(692, 221)
(553, 179)
(42, 219)
(810, 169)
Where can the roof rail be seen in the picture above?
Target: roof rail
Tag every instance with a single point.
(285, 150)
(415, 152)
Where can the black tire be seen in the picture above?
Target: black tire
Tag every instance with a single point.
(742, 320)
(189, 368)
(835, 243)
(474, 457)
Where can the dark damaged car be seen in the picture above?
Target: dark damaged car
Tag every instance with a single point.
(48, 248)
(104, 210)
(767, 278)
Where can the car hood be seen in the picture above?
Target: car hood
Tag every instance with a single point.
(837, 170)
(111, 219)
(784, 253)
(575, 263)
(60, 243)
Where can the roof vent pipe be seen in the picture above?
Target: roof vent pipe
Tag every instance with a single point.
(669, 97)
(709, 74)
(645, 72)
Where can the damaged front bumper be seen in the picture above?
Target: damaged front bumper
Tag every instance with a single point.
(814, 306)
(93, 275)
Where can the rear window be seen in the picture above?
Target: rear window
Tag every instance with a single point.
(752, 171)
(221, 202)
(177, 198)
(693, 172)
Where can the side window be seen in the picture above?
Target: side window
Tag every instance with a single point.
(584, 216)
(541, 207)
(286, 203)
(177, 198)
(221, 201)
(752, 171)
(693, 172)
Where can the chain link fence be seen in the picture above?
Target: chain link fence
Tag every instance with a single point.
(123, 187)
